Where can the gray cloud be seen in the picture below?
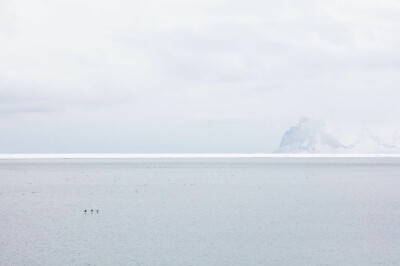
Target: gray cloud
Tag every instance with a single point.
(184, 67)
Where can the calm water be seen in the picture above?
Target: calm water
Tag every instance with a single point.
(281, 211)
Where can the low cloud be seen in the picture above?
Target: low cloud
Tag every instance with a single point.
(258, 64)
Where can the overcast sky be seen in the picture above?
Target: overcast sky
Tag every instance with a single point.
(192, 76)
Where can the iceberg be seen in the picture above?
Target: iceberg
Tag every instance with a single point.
(309, 136)
(313, 136)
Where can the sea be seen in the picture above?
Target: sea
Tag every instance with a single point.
(200, 211)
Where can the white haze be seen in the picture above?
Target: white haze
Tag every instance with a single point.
(192, 76)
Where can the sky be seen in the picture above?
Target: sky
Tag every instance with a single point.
(171, 76)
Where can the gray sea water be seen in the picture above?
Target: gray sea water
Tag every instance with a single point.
(244, 211)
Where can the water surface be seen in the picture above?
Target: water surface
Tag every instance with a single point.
(243, 211)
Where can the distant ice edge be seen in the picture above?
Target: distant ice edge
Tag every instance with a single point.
(190, 155)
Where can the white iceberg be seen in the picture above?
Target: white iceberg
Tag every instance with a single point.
(313, 136)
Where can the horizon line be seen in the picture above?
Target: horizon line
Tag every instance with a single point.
(10, 156)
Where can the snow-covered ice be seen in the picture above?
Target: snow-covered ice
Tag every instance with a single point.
(200, 211)
(314, 136)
